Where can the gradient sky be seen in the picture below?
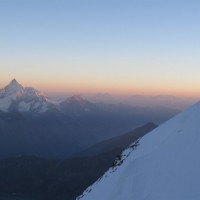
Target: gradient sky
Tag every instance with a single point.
(116, 46)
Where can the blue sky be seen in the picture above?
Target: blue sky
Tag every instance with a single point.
(138, 46)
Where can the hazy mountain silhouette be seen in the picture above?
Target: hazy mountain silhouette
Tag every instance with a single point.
(121, 142)
(32, 125)
(39, 178)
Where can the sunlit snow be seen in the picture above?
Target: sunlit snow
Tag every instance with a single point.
(27, 98)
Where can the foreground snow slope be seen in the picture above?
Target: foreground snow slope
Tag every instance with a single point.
(164, 165)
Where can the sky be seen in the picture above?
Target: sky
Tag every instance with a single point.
(147, 47)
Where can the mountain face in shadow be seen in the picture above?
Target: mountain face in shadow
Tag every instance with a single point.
(55, 134)
(121, 142)
(33, 125)
(38, 178)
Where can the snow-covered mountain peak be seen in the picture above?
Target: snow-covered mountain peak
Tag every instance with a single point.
(163, 165)
(11, 89)
(31, 93)
(24, 99)
(14, 82)
(14, 85)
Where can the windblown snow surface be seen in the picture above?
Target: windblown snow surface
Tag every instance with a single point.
(163, 165)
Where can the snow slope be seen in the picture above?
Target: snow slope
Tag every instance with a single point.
(163, 165)
(24, 98)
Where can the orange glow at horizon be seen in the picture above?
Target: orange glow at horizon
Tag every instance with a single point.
(122, 89)
(146, 88)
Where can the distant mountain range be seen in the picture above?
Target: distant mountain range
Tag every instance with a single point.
(33, 125)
